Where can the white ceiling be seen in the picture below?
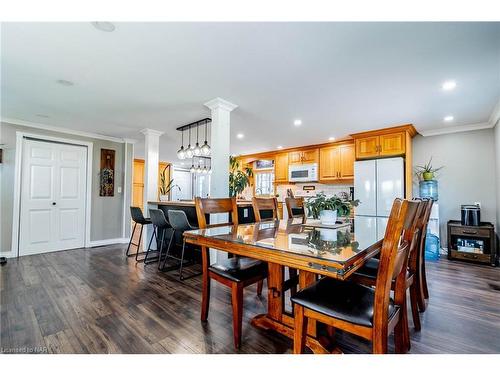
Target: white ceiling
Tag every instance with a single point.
(339, 78)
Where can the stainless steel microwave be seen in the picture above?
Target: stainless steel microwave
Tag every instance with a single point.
(303, 173)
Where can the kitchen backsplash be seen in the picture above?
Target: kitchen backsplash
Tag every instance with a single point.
(298, 190)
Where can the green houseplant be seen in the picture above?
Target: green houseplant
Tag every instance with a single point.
(166, 188)
(327, 209)
(426, 172)
(238, 179)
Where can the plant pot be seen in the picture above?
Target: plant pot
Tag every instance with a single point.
(163, 198)
(328, 217)
(329, 235)
(428, 176)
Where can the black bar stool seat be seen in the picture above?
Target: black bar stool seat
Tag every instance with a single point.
(137, 218)
(160, 227)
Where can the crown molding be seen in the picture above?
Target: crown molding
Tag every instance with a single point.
(130, 141)
(495, 115)
(57, 129)
(456, 129)
(220, 103)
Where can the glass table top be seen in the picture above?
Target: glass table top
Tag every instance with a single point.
(337, 244)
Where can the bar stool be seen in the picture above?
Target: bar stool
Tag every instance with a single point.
(180, 223)
(160, 227)
(138, 218)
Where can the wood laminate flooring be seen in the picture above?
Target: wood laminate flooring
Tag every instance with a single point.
(98, 301)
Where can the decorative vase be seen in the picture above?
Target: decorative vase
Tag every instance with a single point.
(163, 198)
(428, 176)
(329, 235)
(328, 217)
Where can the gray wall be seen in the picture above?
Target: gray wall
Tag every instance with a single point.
(468, 175)
(106, 212)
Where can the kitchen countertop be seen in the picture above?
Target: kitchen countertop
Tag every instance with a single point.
(191, 203)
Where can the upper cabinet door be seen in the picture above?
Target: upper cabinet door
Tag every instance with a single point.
(281, 167)
(310, 156)
(367, 147)
(295, 157)
(347, 161)
(392, 144)
(329, 163)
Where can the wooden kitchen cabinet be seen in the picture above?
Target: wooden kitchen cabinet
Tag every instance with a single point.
(303, 157)
(336, 163)
(391, 144)
(281, 167)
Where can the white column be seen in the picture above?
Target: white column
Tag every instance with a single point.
(151, 160)
(219, 142)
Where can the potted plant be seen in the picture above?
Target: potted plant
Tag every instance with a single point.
(238, 179)
(327, 209)
(426, 172)
(166, 188)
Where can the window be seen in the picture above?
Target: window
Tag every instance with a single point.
(264, 183)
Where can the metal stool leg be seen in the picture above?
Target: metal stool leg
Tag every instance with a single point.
(131, 238)
(149, 246)
(168, 250)
(139, 244)
(182, 278)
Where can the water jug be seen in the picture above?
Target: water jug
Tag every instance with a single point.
(431, 246)
(429, 189)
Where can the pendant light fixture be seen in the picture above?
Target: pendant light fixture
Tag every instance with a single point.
(197, 148)
(189, 149)
(205, 149)
(192, 169)
(181, 154)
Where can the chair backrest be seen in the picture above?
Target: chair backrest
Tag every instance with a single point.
(265, 204)
(158, 218)
(418, 244)
(393, 256)
(136, 214)
(206, 206)
(295, 207)
(178, 220)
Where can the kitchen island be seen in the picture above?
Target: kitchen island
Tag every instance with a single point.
(245, 210)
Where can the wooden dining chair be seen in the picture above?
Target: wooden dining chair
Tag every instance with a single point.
(367, 275)
(266, 205)
(295, 208)
(421, 277)
(359, 309)
(236, 273)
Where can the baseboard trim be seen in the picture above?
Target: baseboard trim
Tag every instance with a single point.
(110, 241)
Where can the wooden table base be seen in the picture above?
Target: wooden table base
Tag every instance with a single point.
(265, 322)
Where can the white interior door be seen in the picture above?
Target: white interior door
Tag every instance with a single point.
(53, 197)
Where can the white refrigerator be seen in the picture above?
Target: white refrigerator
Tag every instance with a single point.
(376, 184)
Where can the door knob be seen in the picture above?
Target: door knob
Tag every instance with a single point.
(53, 203)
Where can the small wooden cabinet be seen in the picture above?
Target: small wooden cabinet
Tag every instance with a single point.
(303, 157)
(472, 243)
(391, 144)
(281, 167)
(336, 163)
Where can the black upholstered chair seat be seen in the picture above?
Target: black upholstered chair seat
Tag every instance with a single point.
(342, 300)
(369, 269)
(239, 269)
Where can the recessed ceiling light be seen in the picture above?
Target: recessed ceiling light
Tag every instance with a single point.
(449, 85)
(42, 115)
(104, 26)
(240, 135)
(331, 139)
(448, 118)
(279, 147)
(64, 82)
(297, 122)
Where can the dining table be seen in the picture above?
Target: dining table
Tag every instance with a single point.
(315, 250)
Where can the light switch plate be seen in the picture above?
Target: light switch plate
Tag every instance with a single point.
(119, 189)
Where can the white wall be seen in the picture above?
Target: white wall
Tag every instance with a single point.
(497, 165)
(468, 176)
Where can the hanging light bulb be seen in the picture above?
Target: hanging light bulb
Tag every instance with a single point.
(205, 149)
(197, 148)
(181, 154)
(189, 149)
(205, 170)
(192, 169)
(198, 170)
